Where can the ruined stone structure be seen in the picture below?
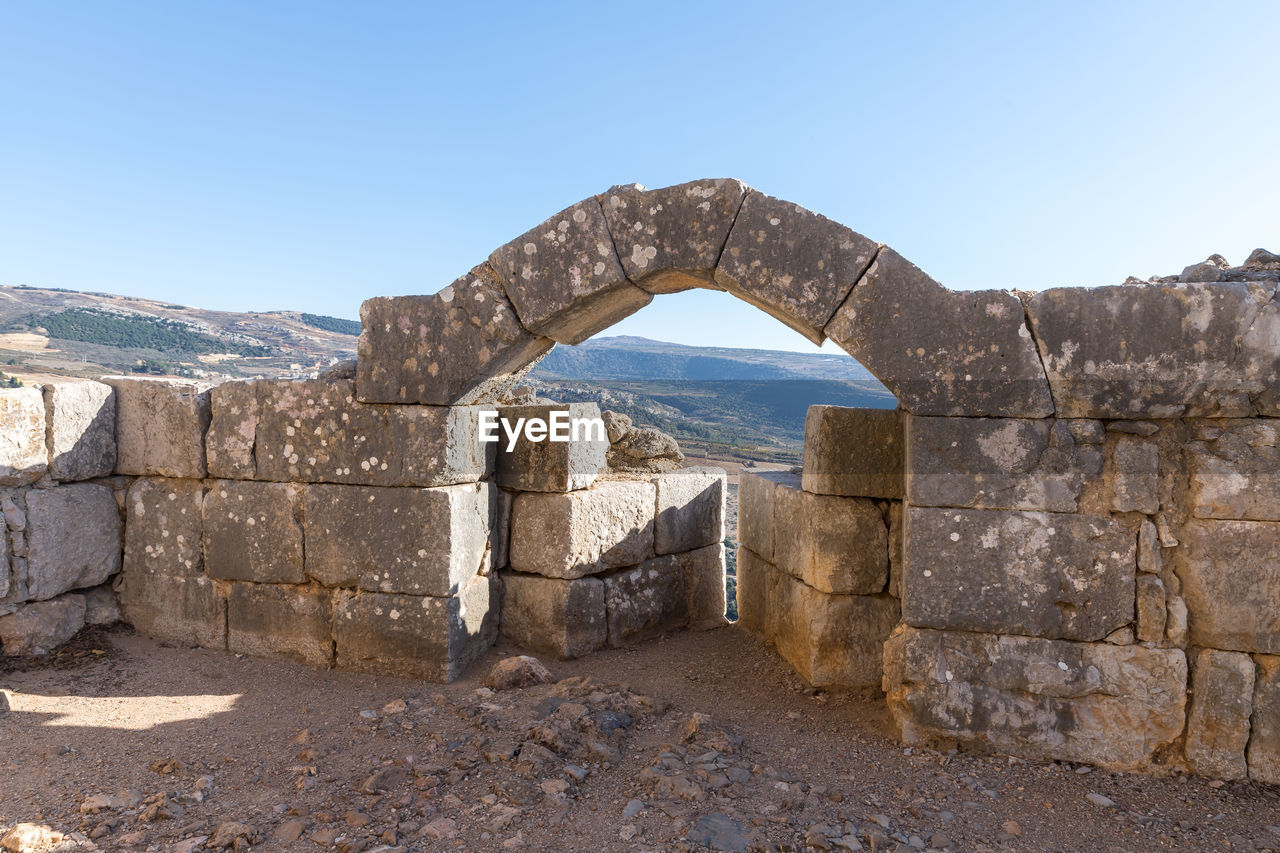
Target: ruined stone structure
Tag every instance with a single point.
(1062, 545)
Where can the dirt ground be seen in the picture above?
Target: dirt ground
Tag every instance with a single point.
(125, 744)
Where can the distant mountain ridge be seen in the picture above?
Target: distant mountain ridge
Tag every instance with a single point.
(631, 358)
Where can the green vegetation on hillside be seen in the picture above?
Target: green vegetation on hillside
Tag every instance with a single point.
(332, 324)
(138, 332)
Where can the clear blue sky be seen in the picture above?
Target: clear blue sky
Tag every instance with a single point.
(267, 155)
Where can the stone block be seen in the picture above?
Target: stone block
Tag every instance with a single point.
(101, 607)
(234, 408)
(405, 541)
(501, 543)
(1151, 609)
(1152, 351)
(670, 239)
(274, 621)
(1097, 703)
(1221, 704)
(315, 432)
(160, 427)
(1236, 475)
(1049, 575)
(831, 640)
(564, 278)
(81, 429)
(585, 532)
(73, 538)
(834, 544)
(645, 601)
(1264, 729)
(23, 455)
(563, 617)
(462, 345)
(546, 465)
(754, 579)
(757, 494)
(998, 463)
(704, 583)
(163, 527)
(253, 531)
(942, 352)
(792, 263)
(854, 452)
(1136, 476)
(39, 627)
(896, 513)
(1230, 573)
(690, 509)
(419, 637)
(187, 610)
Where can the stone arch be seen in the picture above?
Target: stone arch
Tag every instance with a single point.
(941, 352)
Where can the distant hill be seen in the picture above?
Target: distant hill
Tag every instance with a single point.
(60, 332)
(634, 358)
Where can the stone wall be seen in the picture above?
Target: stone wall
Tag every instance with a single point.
(1064, 545)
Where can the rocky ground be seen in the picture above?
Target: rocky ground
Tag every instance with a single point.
(700, 740)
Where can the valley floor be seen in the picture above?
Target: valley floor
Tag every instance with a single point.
(192, 748)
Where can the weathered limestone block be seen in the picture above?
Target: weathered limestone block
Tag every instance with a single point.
(645, 601)
(1236, 474)
(607, 526)
(253, 531)
(160, 427)
(1230, 572)
(41, 626)
(854, 452)
(73, 538)
(406, 541)
(1049, 575)
(235, 408)
(431, 638)
(834, 544)
(690, 509)
(998, 463)
(1098, 703)
(1264, 730)
(188, 610)
(1151, 609)
(757, 494)
(546, 465)
(1221, 704)
(101, 607)
(274, 621)
(564, 278)
(704, 583)
(163, 529)
(316, 432)
(791, 262)
(23, 455)
(1176, 631)
(670, 239)
(1152, 351)
(832, 640)
(942, 352)
(81, 430)
(1136, 476)
(754, 579)
(459, 346)
(563, 617)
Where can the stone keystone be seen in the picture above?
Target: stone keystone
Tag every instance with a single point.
(462, 345)
(564, 278)
(792, 263)
(670, 239)
(942, 352)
